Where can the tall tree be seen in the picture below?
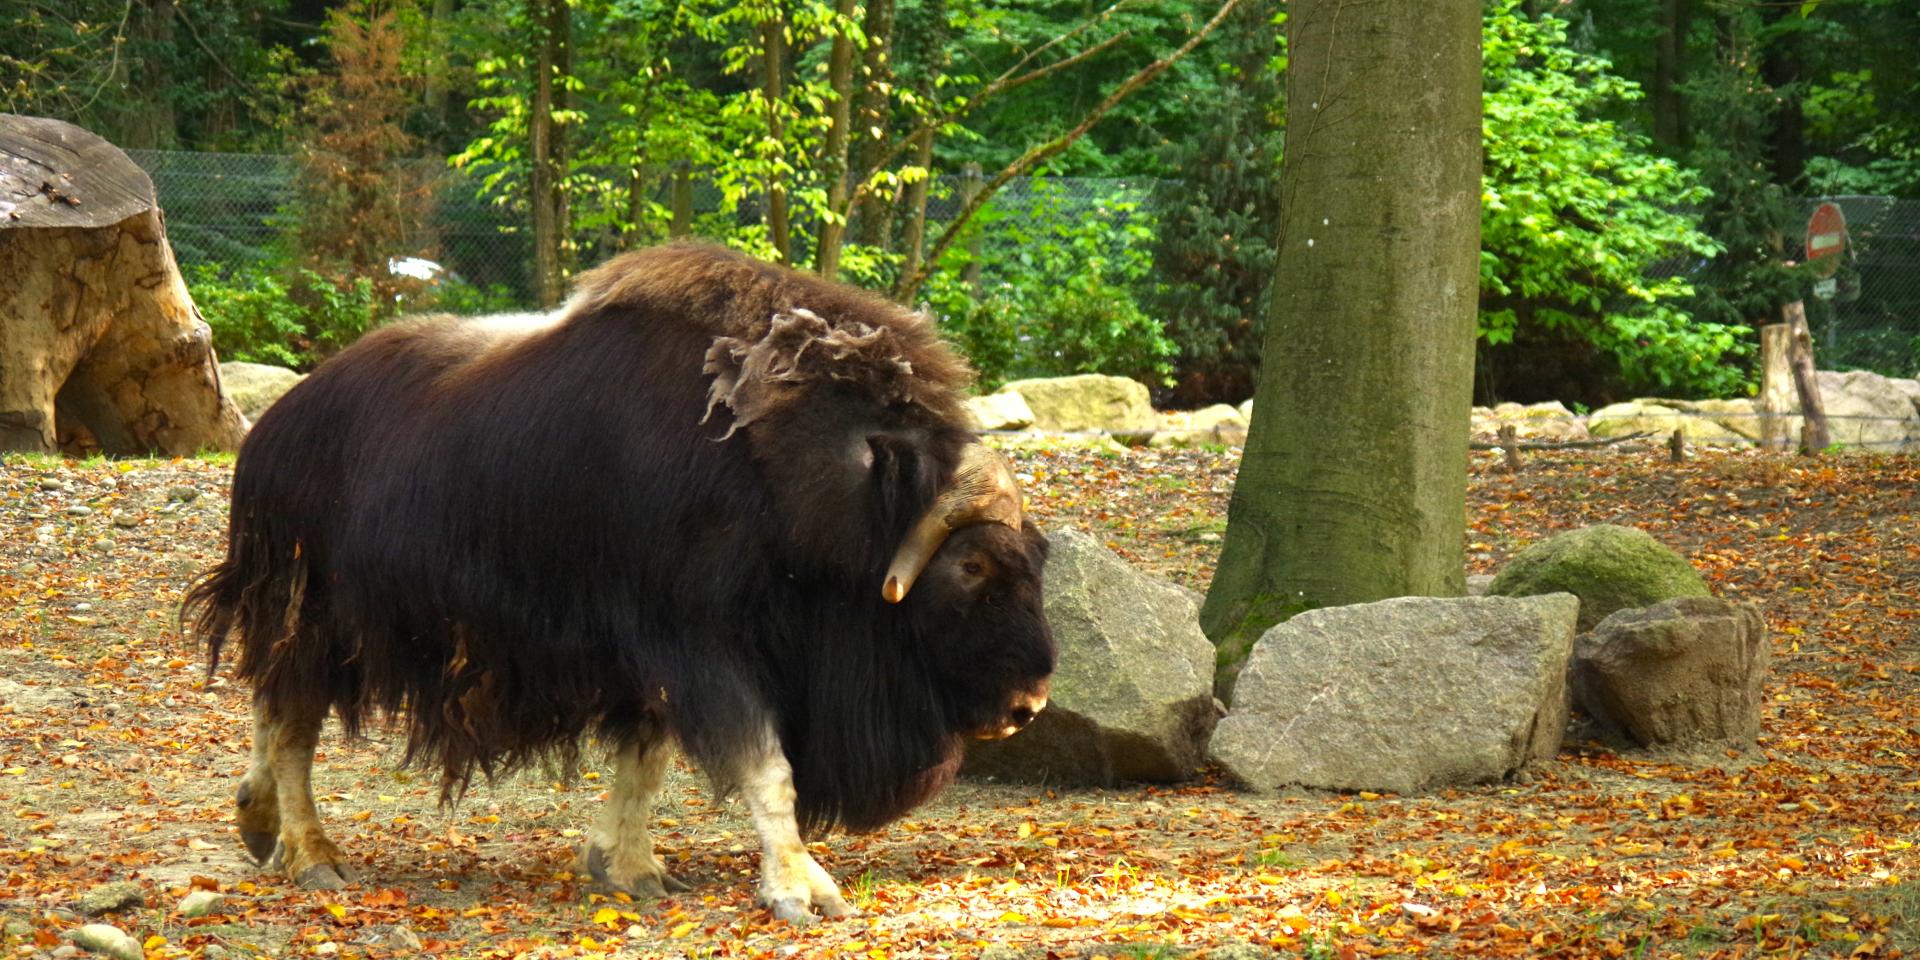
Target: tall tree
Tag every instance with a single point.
(1353, 486)
(552, 69)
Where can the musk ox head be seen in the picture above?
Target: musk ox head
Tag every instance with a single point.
(971, 569)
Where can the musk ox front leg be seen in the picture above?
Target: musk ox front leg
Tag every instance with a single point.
(274, 805)
(792, 883)
(619, 851)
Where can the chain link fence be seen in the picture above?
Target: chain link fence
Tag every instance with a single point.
(1869, 319)
(235, 210)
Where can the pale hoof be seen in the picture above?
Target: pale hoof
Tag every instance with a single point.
(321, 876)
(646, 886)
(793, 910)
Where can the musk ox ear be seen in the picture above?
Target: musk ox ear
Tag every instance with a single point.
(983, 490)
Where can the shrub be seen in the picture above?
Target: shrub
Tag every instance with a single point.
(1061, 298)
(291, 320)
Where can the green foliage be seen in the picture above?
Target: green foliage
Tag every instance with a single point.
(1214, 253)
(1061, 297)
(1578, 211)
(268, 317)
(213, 74)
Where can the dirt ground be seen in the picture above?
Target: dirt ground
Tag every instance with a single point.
(118, 758)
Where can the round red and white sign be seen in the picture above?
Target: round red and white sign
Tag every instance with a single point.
(1826, 239)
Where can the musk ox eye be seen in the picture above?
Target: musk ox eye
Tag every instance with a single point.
(972, 568)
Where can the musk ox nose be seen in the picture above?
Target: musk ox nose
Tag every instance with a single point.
(1019, 713)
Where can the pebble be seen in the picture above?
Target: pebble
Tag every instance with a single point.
(79, 510)
(49, 483)
(200, 903)
(112, 898)
(104, 938)
(125, 518)
(182, 494)
(104, 543)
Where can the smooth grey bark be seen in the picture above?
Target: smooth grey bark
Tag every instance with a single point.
(1353, 486)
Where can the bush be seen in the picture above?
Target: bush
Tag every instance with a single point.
(268, 318)
(1062, 297)
(1577, 212)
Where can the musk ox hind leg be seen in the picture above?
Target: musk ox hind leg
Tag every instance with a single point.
(792, 883)
(619, 850)
(274, 805)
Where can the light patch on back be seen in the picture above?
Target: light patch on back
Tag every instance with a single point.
(516, 325)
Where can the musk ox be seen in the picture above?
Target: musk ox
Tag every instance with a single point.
(712, 503)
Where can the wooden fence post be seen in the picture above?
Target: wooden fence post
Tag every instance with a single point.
(1776, 387)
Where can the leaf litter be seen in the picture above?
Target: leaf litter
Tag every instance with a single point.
(118, 757)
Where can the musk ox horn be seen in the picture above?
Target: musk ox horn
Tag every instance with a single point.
(983, 491)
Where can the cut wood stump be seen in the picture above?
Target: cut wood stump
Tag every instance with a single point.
(101, 347)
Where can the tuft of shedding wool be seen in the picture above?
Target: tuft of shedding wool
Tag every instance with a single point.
(755, 376)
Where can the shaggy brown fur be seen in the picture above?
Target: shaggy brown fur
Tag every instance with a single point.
(671, 510)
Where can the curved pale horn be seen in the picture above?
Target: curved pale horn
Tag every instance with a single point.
(983, 491)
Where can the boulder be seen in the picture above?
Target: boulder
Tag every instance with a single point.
(1001, 411)
(1869, 413)
(1659, 418)
(1132, 695)
(1246, 410)
(1550, 420)
(1684, 671)
(1220, 423)
(1608, 567)
(1089, 401)
(255, 386)
(1740, 415)
(1403, 694)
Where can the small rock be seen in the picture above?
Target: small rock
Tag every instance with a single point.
(104, 544)
(1240, 951)
(125, 518)
(112, 898)
(49, 483)
(182, 494)
(109, 940)
(17, 928)
(200, 903)
(65, 950)
(1002, 951)
(407, 939)
(79, 510)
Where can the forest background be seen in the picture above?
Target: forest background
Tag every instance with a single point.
(1067, 187)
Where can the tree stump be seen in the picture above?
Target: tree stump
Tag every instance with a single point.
(100, 345)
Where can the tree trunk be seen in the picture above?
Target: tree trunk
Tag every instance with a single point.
(1669, 73)
(773, 59)
(1781, 68)
(100, 345)
(1353, 486)
(833, 165)
(552, 62)
(871, 220)
(916, 199)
